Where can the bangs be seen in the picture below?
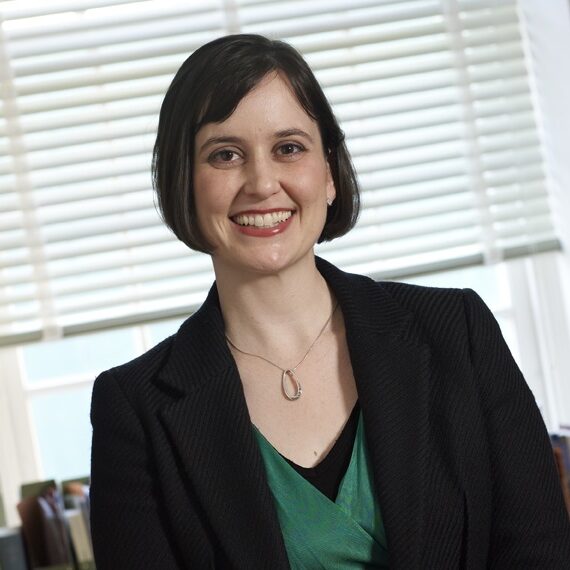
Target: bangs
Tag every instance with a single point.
(225, 94)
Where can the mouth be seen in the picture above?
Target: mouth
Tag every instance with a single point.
(262, 220)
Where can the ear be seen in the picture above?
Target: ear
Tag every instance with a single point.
(331, 190)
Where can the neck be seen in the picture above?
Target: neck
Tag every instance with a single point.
(278, 314)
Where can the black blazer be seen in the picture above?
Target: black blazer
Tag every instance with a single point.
(463, 468)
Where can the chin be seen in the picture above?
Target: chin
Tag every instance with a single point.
(264, 262)
(269, 264)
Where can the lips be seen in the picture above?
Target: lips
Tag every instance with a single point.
(266, 219)
(263, 223)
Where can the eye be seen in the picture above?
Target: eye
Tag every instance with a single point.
(290, 149)
(224, 156)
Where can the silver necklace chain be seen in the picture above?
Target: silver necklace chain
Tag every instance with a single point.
(288, 373)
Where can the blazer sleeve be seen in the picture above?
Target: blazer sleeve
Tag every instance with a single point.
(126, 523)
(530, 525)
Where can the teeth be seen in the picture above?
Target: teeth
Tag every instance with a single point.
(263, 221)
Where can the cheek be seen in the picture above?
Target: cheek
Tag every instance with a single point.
(312, 183)
(209, 195)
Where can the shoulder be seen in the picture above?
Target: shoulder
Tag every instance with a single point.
(416, 299)
(147, 375)
(153, 360)
(453, 315)
(177, 364)
(133, 379)
(148, 363)
(420, 298)
(140, 374)
(438, 311)
(436, 303)
(443, 315)
(462, 331)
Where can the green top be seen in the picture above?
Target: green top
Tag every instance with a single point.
(318, 533)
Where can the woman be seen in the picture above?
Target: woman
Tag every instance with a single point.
(305, 417)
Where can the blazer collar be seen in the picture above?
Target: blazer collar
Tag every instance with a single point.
(211, 427)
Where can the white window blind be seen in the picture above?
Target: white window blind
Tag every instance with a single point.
(433, 96)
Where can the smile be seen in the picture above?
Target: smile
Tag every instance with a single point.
(267, 220)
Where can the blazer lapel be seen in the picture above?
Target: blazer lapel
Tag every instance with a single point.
(210, 427)
(391, 381)
(391, 368)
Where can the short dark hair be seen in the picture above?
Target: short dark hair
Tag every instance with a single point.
(207, 88)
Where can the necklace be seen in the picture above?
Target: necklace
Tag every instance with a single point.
(288, 373)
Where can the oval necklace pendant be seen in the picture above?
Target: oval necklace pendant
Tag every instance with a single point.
(289, 376)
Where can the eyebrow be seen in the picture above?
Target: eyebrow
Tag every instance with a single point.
(220, 140)
(226, 139)
(292, 133)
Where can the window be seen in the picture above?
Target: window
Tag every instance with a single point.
(437, 104)
(434, 97)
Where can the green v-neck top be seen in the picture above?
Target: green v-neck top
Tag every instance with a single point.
(347, 533)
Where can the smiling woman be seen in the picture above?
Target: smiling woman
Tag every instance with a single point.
(265, 164)
(305, 417)
(202, 100)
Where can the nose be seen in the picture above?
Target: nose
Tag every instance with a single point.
(261, 177)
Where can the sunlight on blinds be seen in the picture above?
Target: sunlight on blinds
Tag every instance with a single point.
(433, 96)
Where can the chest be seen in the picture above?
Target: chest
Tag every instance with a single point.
(424, 489)
(303, 430)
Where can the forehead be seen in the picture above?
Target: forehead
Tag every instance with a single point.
(270, 106)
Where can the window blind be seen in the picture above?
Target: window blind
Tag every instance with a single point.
(433, 96)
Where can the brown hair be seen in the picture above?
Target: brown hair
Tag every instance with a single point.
(207, 88)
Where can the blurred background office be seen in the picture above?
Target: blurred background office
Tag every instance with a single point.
(456, 114)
